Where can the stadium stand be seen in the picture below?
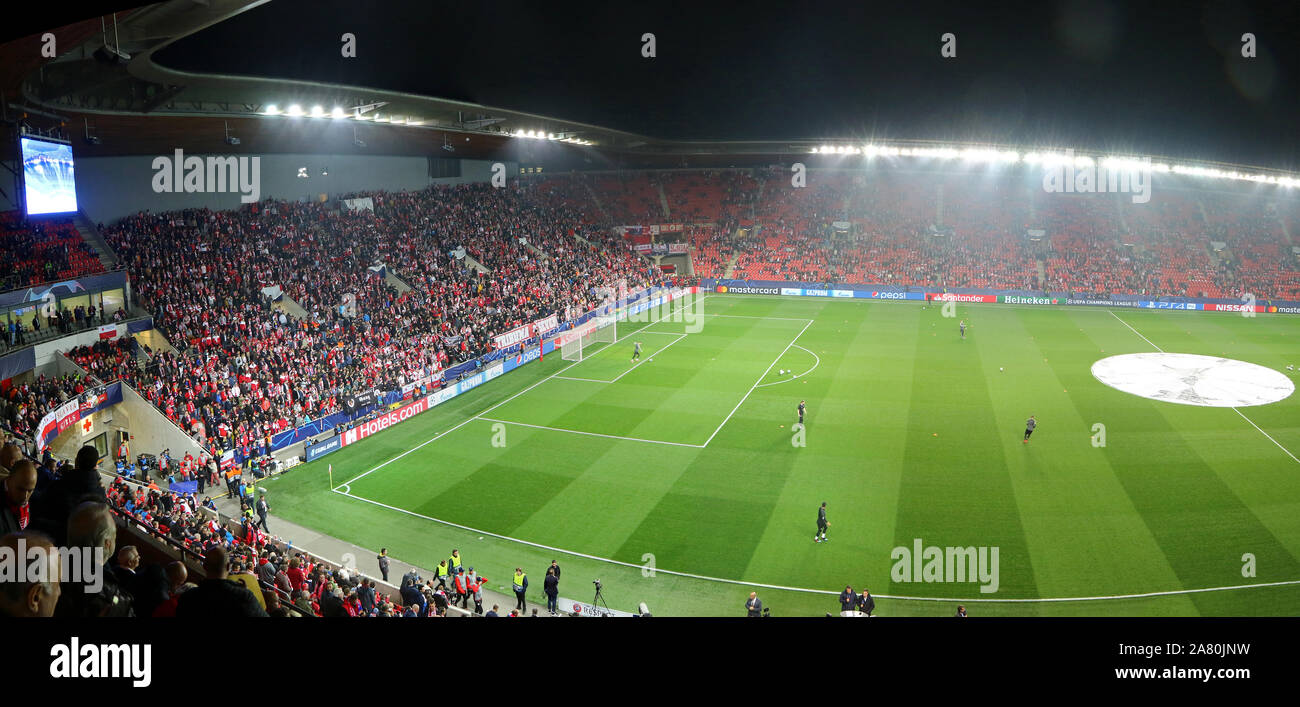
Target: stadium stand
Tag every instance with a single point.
(246, 370)
(948, 230)
(42, 251)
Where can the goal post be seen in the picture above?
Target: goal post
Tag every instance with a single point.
(604, 332)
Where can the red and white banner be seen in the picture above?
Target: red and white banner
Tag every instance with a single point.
(545, 326)
(108, 331)
(527, 331)
(510, 338)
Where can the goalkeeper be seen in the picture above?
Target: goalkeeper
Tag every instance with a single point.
(636, 351)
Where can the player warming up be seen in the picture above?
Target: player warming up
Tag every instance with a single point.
(822, 524)
(962, 326)
(1030, 424)
(636, 351)
(803, 407)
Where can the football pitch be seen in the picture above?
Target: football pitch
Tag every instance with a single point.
(682, 480)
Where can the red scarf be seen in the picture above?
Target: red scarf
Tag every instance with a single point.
(23, 515)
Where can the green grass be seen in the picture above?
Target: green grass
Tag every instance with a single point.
(911, 433)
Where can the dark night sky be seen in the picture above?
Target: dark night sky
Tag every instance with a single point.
(1161, 78)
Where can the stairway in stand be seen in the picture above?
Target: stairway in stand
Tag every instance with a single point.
(90, 234)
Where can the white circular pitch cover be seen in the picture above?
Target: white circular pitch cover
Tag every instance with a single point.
(1191, 379)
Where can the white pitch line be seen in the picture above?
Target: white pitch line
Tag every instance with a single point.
(638, 363)
(1270, 437)
(750, 316)
(1135, 331)
(801, 375)
(590, 434)
(471, 419)
(753, 387)
(1243, 415)
(804, 590)
(588, 380)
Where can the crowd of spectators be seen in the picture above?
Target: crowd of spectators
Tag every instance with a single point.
(107, 359)
(42, 251)
(247, 572)
(245, 369)
(22, 405)
(969, 231)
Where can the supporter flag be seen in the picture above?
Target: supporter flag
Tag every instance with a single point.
(108, 331)
(185, 487)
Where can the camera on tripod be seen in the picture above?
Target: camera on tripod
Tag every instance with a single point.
(600, 597)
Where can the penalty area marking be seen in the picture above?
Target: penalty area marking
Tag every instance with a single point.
(804, 590)
(722, 424)
(589, 434)
(638, 363)
(754, 387)
(468, 420)
(817, 363)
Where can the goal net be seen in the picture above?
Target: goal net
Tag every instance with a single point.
(603, 334)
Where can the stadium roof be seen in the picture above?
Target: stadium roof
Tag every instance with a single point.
(105, 81)
(110, 81)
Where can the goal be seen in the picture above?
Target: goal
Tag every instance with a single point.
(604, 333)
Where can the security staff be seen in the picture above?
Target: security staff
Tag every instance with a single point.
(521, 588)
(453, 562)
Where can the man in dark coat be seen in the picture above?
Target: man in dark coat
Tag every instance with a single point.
(551, 587)
(866, 603)
(147, 585)
(366, 595)
(54, 507)
(262, 510)
(848, 599)
(98, 593)
(218, 597)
